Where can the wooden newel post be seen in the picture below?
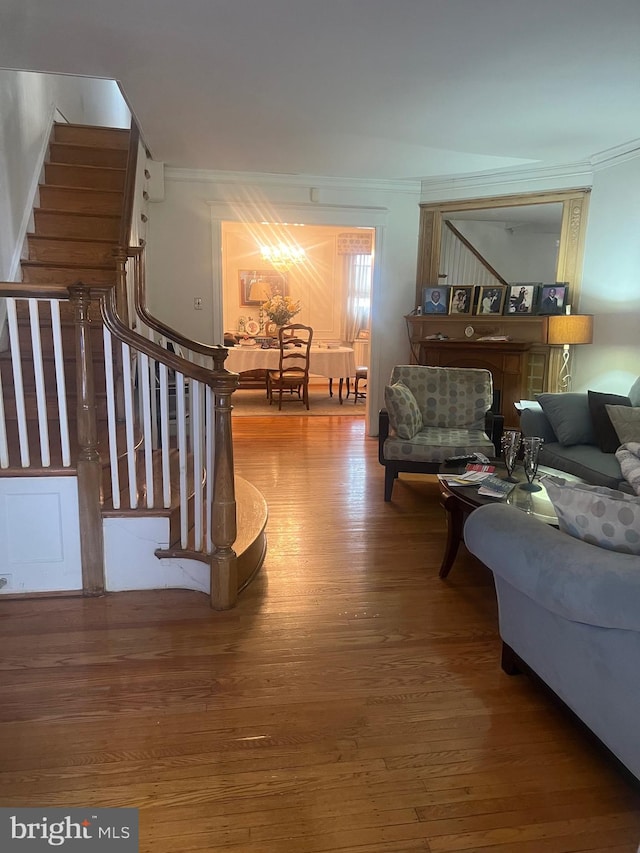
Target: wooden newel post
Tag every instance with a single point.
(224, 561)
(88, 462)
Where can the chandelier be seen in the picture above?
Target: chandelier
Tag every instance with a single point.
(283, 256)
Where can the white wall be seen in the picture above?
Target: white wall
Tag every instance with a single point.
(28, 102)
(39, 534)
(611, 281)
(611, 270)
(518, 255)
(181, 261)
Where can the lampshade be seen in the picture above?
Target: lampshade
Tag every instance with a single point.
(570, 329)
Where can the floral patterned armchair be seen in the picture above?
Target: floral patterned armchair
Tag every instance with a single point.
(432, 413)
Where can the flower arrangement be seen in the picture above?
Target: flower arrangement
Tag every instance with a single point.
(281, 309)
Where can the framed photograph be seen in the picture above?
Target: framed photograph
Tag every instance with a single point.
(256, 286)
(553, 298)
(435, 300)
(491, 300)
(461, 299)
(521, 299)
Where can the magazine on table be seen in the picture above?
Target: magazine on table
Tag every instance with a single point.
(474, 473)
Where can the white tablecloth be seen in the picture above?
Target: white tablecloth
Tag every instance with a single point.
(338, 363)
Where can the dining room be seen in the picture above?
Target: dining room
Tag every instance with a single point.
(315, 275)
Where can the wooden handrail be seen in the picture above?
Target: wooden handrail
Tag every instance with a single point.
(129, 187)
(116, 326)
(24, 290)
(475, 252)
(136, 252)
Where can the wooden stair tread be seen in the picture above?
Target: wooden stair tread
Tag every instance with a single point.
(100, 190)
(34, 235)
(87, 166)
(79, 213)
(67, 265)
(108, 137)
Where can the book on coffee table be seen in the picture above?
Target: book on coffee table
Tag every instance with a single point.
(494, 487)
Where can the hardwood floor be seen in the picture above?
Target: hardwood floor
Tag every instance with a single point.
(352, 702)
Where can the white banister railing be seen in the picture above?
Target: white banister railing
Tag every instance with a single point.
(460, 265)
(26, 393)
(155, 425)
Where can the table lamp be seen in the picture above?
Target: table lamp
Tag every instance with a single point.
(566, 330)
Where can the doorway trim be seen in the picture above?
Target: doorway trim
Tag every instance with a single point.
(309, 213)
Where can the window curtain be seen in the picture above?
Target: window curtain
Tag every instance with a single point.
(357, 275)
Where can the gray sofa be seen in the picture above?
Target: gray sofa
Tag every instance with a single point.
(571, 442)
(569, 611)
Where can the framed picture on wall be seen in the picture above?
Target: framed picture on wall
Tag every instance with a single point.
(435, 300)
(256, 286)
(521, 299)
(491, 300)
(553, 298)
(461, 299)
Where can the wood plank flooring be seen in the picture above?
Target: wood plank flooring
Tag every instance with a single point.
(352, 702)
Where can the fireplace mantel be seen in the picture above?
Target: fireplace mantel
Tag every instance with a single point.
(511, 361)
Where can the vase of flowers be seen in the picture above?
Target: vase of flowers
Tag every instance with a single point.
(281, 309)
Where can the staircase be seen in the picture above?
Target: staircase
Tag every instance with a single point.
(76, 236)
(77, 222)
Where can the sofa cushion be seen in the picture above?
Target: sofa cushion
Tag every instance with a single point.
(606, 436)
(433, 444)
(626, 422)
(569, 416)
(585, 461)
(404, 414)
(595, 514)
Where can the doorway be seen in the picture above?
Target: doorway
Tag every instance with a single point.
(329, 274)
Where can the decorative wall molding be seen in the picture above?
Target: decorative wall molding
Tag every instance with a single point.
(309, 213)
(616, 156)
(454, 187)
(308, 182)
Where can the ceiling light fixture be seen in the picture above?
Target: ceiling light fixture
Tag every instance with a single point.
(283, 256)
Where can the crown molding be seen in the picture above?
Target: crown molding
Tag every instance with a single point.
(310, 213)
(486, 183)
(615, 156)
(411, 187)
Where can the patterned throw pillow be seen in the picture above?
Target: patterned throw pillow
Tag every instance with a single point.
(404, 414)
(626, 422)
(596, 514)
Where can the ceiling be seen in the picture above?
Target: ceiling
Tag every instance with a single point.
(378, 89)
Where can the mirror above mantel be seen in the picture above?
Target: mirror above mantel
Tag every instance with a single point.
(555, 223)
(561, 213)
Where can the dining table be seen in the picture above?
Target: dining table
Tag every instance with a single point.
(333, 362)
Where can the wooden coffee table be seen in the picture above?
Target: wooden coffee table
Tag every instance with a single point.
(459, 501)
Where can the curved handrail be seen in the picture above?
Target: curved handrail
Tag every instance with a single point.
(152, 322)
(116, 326)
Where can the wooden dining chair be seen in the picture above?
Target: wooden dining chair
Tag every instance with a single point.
(292, 374)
